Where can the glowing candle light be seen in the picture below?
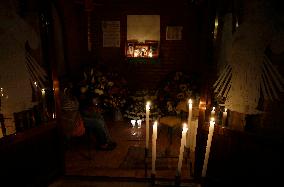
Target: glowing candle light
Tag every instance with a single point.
(224, 117)
(147, 123)
(43, 92)
(154, 147)
(181, 149)
(213, 112)
(208, 146)
(133, 123)
(189, 132)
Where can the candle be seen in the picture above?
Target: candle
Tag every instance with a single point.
(213, 112)
(189, 133)
(147, 123)
(43, 92)
(154, 139)
(181, 149)
(139, 122)
(43, 97)
(194, 125)
(209, 140)
(133, 121)
(224, 117)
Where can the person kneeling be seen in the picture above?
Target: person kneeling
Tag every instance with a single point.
(94, 122)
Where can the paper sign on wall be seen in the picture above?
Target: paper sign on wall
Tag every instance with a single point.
(174, 33)
(111, 33)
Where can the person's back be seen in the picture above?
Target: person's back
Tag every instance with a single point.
(70, 116)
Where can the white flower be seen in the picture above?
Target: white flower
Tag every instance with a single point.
(98, 91)
(110, 83)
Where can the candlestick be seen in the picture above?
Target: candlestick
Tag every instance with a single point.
(189, 134)
(154, 140)
(208, 146)
(147, 123)
(181, 149)
(224, 117)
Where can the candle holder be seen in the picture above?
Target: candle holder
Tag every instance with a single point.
(153, 178)
(177, 179)
(146, 153)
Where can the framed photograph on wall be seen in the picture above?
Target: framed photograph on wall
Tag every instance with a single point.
(130, 48)
(153, 48)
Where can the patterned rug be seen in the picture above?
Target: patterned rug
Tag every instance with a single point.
(135, 159)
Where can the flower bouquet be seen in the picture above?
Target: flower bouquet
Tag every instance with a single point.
(109, 86)
(137, 102)
(174, 90)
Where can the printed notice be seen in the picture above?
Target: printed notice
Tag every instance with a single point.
(111, 33)
(174, 33)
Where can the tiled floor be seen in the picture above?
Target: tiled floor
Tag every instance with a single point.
(128, 158)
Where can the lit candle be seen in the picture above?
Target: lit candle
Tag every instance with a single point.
(43, 92)
(213, 112)
(154, 140)
(133, 121)
(209, 140)
(43, 97)
(147, 123)
(224, 117)
(189, 132)
(139, 122)
(181, 149)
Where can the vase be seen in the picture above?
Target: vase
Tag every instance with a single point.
(117, 115)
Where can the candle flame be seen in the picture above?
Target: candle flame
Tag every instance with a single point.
(189, 101)
(148, 105)
(213, 109)
(225, 109)
(155, 123)
(184, 128)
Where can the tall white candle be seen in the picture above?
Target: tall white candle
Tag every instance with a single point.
(194, 133)
(147, 123)
(43, 97)
(208, 146)
(154, 140)
(213, 112)
(189, 132)
(224, 117)
(181, 149)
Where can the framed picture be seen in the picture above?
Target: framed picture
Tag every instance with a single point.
(130, 48)
(153, 48)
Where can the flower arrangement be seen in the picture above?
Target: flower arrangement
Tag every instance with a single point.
(177, 87)
(110, 86)
(136, 106)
